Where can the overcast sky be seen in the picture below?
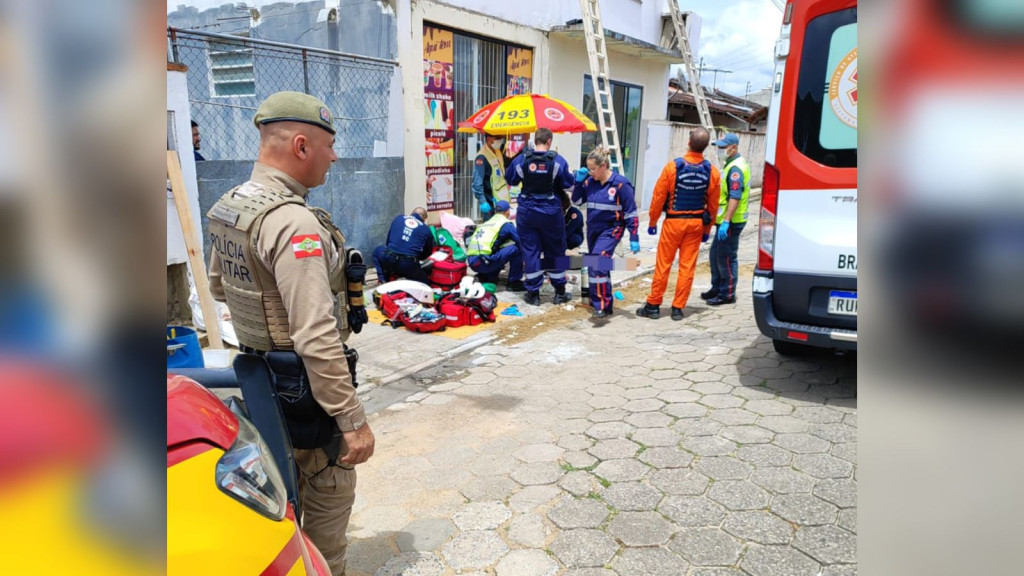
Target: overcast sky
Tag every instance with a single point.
(737, 35)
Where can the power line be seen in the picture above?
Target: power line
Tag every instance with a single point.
(749, 57)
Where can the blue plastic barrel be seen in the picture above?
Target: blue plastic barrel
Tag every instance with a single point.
(183, 350)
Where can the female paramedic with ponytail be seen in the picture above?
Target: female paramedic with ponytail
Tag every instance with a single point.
(611, 209)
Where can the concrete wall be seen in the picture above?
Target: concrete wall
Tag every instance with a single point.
(630, 17)
(410, 51)
(655, 137)
(569, 65)
(752, 145)
(364, 28)
(363, 195)
(559, 63)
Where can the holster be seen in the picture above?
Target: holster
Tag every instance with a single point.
(309, 425)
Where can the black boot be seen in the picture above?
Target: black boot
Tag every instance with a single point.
(649, 311)
(532, 298)
(677, 314)
(561, 297)
(516, 286)
(709, 294)
(721, 299)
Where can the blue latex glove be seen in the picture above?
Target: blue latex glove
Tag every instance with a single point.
(634, 246)
(723, 231)
(704, 238)
(652, 230)
(582, 174)
(485, 208)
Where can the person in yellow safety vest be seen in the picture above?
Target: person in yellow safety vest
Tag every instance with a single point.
(732, 218)
(494, 244)
(489, 184)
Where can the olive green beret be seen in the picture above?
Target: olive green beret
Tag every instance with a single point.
(294, 107)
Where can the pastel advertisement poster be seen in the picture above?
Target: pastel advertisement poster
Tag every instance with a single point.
(839, 110)
(518, 76)
(439, 117)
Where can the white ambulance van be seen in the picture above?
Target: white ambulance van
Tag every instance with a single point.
(805, 281)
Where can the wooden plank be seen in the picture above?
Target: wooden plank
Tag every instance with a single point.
(195, 254)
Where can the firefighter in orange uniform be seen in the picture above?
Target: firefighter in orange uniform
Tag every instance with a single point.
(687, 192)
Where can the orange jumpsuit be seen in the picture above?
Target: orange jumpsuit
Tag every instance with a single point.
(681, 235)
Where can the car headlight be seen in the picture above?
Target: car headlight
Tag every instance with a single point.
(247, 472)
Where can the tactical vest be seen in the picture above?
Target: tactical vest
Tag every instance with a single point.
(539, 174)
(740, 215)
(499, 188)
(257, 311)
(690, 193)
(481, 243)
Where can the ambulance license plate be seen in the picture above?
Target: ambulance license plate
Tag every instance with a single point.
(842, 303)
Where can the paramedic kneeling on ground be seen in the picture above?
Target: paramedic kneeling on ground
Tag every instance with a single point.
(286, 276)
(409, 241)
(494, 244)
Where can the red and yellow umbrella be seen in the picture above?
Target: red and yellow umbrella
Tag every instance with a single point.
(524, 114)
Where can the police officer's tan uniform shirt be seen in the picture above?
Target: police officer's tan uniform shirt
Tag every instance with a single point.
(305, 288)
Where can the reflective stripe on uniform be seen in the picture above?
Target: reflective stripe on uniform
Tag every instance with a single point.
(608, 207)
(740, 215)
(556, 275)
(532, 275)
(599, 280)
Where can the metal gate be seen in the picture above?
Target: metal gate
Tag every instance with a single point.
(479, 80)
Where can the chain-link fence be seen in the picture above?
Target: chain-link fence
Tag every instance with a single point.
(229, 76)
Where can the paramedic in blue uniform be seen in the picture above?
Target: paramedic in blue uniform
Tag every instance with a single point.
(573, 224)
(494, 244)
(409, 241)
(489, 184)
(611, 210)
(543, 175)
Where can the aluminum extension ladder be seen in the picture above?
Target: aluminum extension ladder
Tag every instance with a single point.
(600, 79)
(691, 69)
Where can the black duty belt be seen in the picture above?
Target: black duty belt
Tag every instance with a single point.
(684, 216)
(398, 256)
(247, 350)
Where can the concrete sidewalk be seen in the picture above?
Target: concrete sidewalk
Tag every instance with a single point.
(621, 447)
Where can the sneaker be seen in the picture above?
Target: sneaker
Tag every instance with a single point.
(532, 298)
(563, 298)
(709, 294)
(649, 311)
(677, 314)
(516, 286)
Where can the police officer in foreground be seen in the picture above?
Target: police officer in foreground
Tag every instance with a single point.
(295, 293)
(545, 175)
(409, 241)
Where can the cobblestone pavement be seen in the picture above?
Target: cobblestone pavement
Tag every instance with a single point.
(631, 447)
